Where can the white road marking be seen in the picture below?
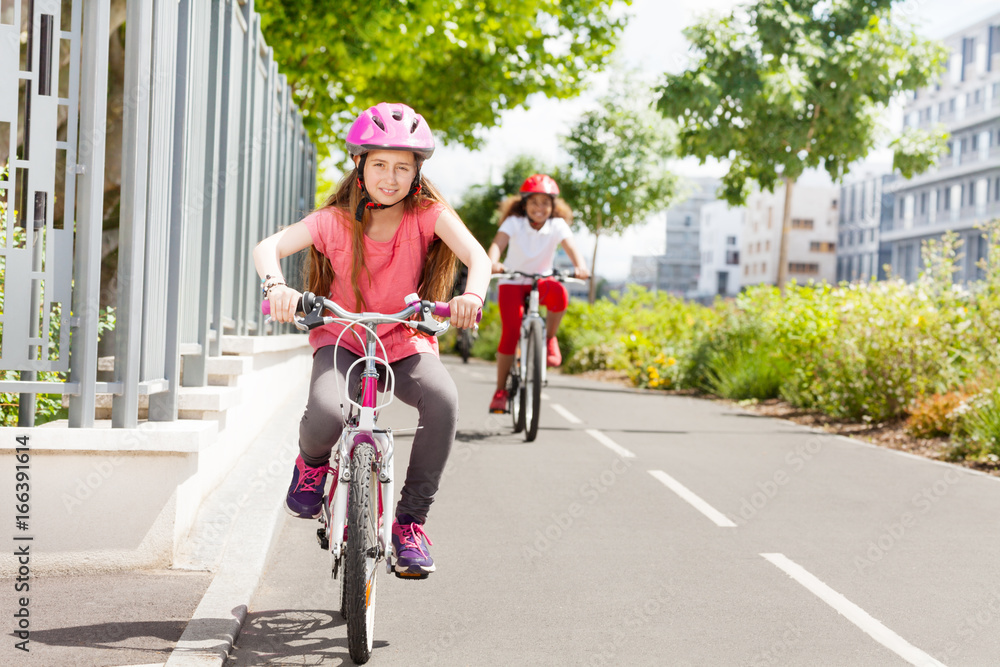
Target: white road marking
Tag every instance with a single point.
(544, 395)
(609, 443)
(566, 414)
(685, 493)
(853, 613)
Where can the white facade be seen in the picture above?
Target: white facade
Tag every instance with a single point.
(679, 269)
(964, 188)
(812, 240)
(720, 231)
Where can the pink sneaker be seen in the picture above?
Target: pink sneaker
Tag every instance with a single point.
(499, 403)
(305, 494)
(409, 541)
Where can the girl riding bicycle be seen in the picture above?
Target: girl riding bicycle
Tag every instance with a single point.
(384, 233)
(533, 225)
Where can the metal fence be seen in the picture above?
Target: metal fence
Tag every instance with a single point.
(214, 158)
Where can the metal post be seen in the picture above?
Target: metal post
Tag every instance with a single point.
(132, 225)
(89, 213)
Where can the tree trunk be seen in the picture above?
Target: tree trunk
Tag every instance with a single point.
(592, 296)
(786, 225)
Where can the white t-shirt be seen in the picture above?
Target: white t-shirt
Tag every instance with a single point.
(530, 250)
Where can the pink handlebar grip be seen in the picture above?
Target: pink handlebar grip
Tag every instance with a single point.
(442, 309)
(265, 307)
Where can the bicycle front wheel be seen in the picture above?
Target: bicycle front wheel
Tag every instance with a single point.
(532, 392)
(361, 552)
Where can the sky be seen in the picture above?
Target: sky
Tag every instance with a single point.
(653, 44)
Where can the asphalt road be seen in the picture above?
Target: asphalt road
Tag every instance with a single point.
(645, 529)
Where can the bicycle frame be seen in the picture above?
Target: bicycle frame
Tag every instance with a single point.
(364, 430)
(531, 313)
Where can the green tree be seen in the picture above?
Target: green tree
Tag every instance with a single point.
(780, 86)
(617, 174)
(460, 64)
(479, 203)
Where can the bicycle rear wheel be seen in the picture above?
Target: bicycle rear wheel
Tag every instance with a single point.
(532, 392)
(361, 552)
(464, 344)
(515, 397)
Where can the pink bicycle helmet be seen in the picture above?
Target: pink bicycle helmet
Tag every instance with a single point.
(392, 127)
(540, 184)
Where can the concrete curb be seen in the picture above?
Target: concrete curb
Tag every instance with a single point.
(233, 536)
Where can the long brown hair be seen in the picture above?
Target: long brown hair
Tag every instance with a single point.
(517, 205)
(438, 279)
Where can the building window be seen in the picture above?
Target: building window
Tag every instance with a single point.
(732, 257)
(822, 246)
(767, 246)
(687, 220)
(993, 47)
(730, 240)
(923, 203)
(802, 223)
(803, 268)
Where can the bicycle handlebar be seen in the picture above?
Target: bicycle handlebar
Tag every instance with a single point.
(562, 275)
(312, 306)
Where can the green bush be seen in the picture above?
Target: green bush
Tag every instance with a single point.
(977, 426)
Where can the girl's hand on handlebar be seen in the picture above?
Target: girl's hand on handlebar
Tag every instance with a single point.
(464, 309)
(283, 300)
(498, 267)
(581, 272)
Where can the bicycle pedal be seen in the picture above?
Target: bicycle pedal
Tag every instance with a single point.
(410, 575)
(324, 541)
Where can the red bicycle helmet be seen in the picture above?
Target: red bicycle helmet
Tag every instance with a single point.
(392, 127)
(540, 184)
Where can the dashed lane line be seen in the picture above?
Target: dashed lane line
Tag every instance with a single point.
(566, 414)
(853, 613)
(717, 517)
(609, 443)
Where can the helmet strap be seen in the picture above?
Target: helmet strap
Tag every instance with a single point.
(366, 200)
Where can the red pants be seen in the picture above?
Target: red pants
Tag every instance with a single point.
(551, 294)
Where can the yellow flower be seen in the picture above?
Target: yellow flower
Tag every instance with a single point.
(671, 361)
(653, 373)
(654, 383)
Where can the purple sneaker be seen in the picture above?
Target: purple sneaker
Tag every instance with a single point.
(305, 494)
(409, 541)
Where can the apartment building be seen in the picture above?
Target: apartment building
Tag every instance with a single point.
(719, 238)
(864, 202)
(678, 270)
(965, 186)
(812, 241)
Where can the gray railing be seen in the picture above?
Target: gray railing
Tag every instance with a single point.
(214, 158)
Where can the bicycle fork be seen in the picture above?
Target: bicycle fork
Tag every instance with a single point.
(335, 513)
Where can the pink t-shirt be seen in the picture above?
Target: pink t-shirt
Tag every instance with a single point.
(394, 269)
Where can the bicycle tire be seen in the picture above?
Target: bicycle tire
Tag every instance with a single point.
(515, 396)
(533, 380)
(343, 587)
(361, 552)
(464, 344)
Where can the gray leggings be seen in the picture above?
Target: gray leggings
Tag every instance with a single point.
(421, 381)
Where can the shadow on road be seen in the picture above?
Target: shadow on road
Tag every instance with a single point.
(142, 636)
(293, 637)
